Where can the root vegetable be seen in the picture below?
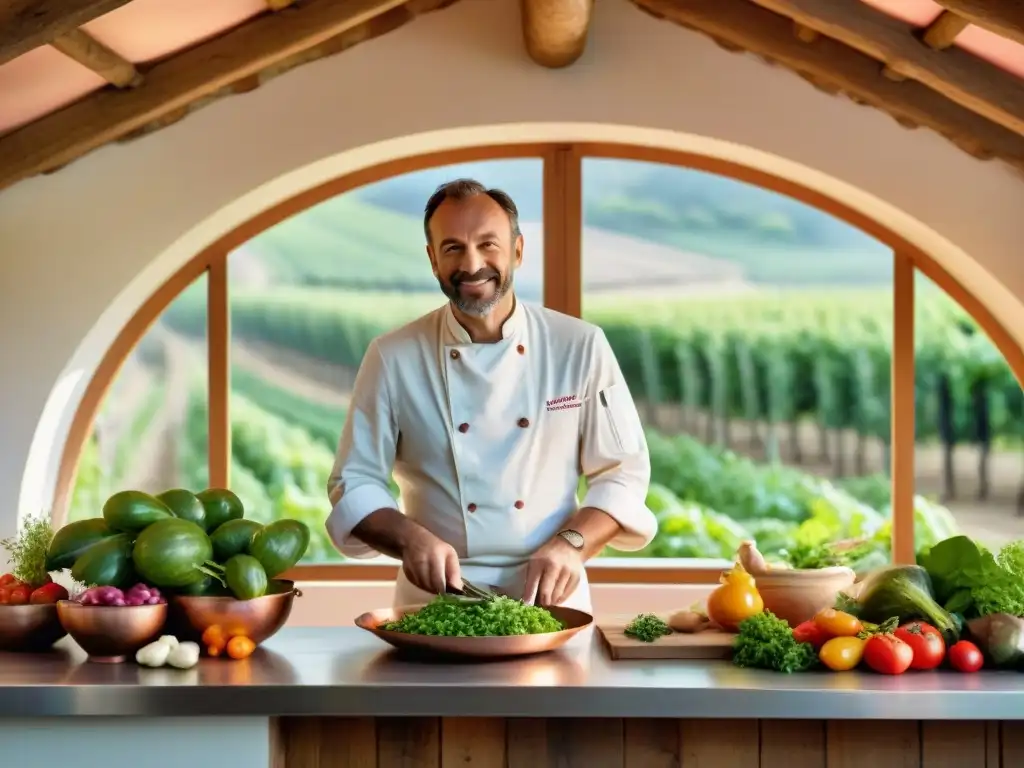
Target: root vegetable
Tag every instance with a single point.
(153, 655)
(183, 655)
(688, 622)
(170, 640)
(751, 559)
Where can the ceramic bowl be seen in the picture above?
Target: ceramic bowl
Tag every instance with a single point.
(796, 595)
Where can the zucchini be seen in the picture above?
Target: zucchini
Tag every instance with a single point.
(221, 505)
(107, 563)
(131, 511)
(245, 577)
(71, 541)
(280, 545)
(184, 504)
(171, 553)
(232, 538)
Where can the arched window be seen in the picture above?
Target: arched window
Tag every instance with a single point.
(804, 375)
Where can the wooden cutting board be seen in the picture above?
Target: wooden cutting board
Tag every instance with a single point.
(710, 644)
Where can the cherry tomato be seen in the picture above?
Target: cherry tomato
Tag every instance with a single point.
(5, 595)
(837, 623)
(887, 654)
(810, 632)
(964, 656)
(7, 578)
(18, 595)
(48, 593)
(925, 641)
(842, 653)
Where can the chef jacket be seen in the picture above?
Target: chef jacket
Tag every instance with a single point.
(487, 442)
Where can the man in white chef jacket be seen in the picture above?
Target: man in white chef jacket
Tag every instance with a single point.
(488, 411)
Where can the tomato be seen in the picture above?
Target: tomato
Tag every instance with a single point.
(810, 632)
(837, 623)
(18, 595)
(7, 578)
(240, 647)
(734, 600)
(842, 653)
(888, 654)
(48, 593)
(964, 656)
(925, 641)
(5, 595)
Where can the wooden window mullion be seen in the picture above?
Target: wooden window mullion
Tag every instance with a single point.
(902, 410)
(218, 339)
(563, 229)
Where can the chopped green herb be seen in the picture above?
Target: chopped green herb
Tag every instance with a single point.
(647, 627)
(501, 616)
(766, 642)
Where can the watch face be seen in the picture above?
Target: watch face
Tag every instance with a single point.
(575, 538)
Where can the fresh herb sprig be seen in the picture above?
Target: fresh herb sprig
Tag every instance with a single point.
(766, 642)
(647, 627)
(27, 551)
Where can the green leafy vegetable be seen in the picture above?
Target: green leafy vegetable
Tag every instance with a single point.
(972, 581)
(647, 627)
(766, 642)
(501, 616)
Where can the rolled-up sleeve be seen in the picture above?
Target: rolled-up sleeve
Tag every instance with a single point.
(613, 452)
(358, 485)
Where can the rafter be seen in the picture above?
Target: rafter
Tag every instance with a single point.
(263, 47)
(1004, 17)
(555, 31)
(27, 24)
(91, 53)
(960, 76)
(836, 66)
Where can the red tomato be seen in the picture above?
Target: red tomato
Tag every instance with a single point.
(7, 578)
(5, 595)
(811, 632)
(888, 654)
(48, 593)
(18, 595)
(965, 657)
(925, 641)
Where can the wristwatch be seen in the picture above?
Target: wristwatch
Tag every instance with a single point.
(575, 538)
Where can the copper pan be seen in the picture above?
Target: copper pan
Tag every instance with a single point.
(475, 647)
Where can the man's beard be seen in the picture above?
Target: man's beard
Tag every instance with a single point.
(472, 306)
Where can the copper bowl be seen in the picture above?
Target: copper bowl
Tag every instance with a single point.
(110, 633)
(476, 647)
(258, 619)
(29, 627)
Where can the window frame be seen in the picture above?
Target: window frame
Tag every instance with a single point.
(563, 235)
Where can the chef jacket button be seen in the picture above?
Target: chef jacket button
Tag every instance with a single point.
(521, 349)
(471, 507)
(520, 505)
(463, 427)
(454, 354)
(524, 422)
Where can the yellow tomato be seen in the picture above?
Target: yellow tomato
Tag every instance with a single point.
(842, 653)
(734, 600)
(837, 623)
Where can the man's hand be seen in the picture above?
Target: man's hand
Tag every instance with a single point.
(553, 573)
(430, 563)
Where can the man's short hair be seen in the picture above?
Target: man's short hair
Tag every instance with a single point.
(461, 189)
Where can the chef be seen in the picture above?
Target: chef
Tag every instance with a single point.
(487, 412)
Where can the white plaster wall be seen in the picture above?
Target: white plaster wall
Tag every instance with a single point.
(80, 249)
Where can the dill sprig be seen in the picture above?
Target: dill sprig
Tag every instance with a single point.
(27, 551)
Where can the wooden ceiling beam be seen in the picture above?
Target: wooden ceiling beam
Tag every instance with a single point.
(835, 66)
(1004, 17)
(555, 31)
(268, 42)
(91, 53)
(971, 82)
(28, 24)
(938, 35)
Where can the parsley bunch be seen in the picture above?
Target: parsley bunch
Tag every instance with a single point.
(766, 642)
(500, 616)
(647, 627)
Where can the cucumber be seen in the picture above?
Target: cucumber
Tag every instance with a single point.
(221, 505)
(169, 553)
(280, 545)
(107, 563)
(71, 541)
(232, 538)
(184, 504)
(245, 577)
(131, 511)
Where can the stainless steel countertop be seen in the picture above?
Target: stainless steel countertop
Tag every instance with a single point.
(346, 671)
